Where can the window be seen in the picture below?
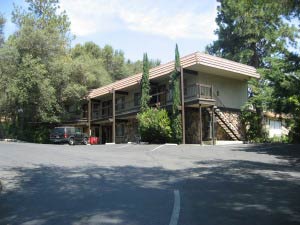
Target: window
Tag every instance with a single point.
(185, 86)
(120, 130)
(84, 111)
(120, 103)
(137, 99)
(96, 108)
(107, 108)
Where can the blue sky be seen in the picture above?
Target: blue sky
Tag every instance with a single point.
(137, 26)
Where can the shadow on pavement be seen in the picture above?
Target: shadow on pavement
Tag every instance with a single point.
(213, 192)
(289, 152)
(55, 195)
(242, 192)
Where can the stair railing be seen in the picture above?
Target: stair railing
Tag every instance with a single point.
(221, 104)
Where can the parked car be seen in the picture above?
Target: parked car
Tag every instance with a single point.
(69, 135)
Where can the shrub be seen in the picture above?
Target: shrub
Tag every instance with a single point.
(252, 127)
(154, 125)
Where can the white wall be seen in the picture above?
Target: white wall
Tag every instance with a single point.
(275, 129)
(232, 92)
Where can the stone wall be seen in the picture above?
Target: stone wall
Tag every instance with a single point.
(130, 131)
(221, 134)
(192, 135)
(192, 124)
(234, 117)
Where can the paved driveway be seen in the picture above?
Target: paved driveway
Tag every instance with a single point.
(150, 184)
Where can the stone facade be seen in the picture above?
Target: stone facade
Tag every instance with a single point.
(192, 124)
(130, 131)
(234, 117)
(221, 134)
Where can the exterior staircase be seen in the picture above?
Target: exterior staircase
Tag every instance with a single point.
(228, 127)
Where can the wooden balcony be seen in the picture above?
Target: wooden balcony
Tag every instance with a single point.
(199, 93)
(192, 93)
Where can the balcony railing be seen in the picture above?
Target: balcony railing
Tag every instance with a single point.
(127, 106)
(162, 99)
(201, 91)
(75, 116)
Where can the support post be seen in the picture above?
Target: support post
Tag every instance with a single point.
(114, 116)
(200, 123)
(213, 125)
(182, 105)
(89, 115)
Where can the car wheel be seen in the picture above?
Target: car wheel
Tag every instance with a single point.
(71, 141)
(85, 141)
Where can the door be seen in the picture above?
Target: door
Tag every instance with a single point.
(106, 134)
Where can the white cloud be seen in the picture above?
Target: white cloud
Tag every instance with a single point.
(172, 19)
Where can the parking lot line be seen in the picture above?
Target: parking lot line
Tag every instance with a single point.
(152, 150)
(123, 146)
(176, 208)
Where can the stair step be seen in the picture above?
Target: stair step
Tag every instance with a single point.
(230, 129)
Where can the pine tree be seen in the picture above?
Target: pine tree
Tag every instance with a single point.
(176, 123)
(145, 85)
(251, 31)
(2, 22)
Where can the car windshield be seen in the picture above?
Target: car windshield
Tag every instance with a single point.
(58, 130)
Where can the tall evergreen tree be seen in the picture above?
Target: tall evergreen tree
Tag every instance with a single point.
(176, 123)
(2, 22)
(145, 85)
(249, 32)
(283, 76)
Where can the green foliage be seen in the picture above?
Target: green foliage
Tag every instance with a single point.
(253, 33)
(7, 130)
(39, 134)
(145, 85)
(176, 123)
(154, 125)
(249, 31)
(283, 75)
(2, 22)
(252, 126)
(41, 76)
(114, 62)
(89, 48)
(136, 67)
(275, 139)
(294, 134)
(28, 89)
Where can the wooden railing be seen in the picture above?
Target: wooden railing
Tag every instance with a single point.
(161, 99)
(198, 91)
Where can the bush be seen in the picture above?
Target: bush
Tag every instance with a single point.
(252, 127)
(294, 134)
(154, 126)
(276, 139)
(30, 133)
(8, 130)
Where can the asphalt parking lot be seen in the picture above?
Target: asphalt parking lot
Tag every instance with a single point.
(149, 184)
